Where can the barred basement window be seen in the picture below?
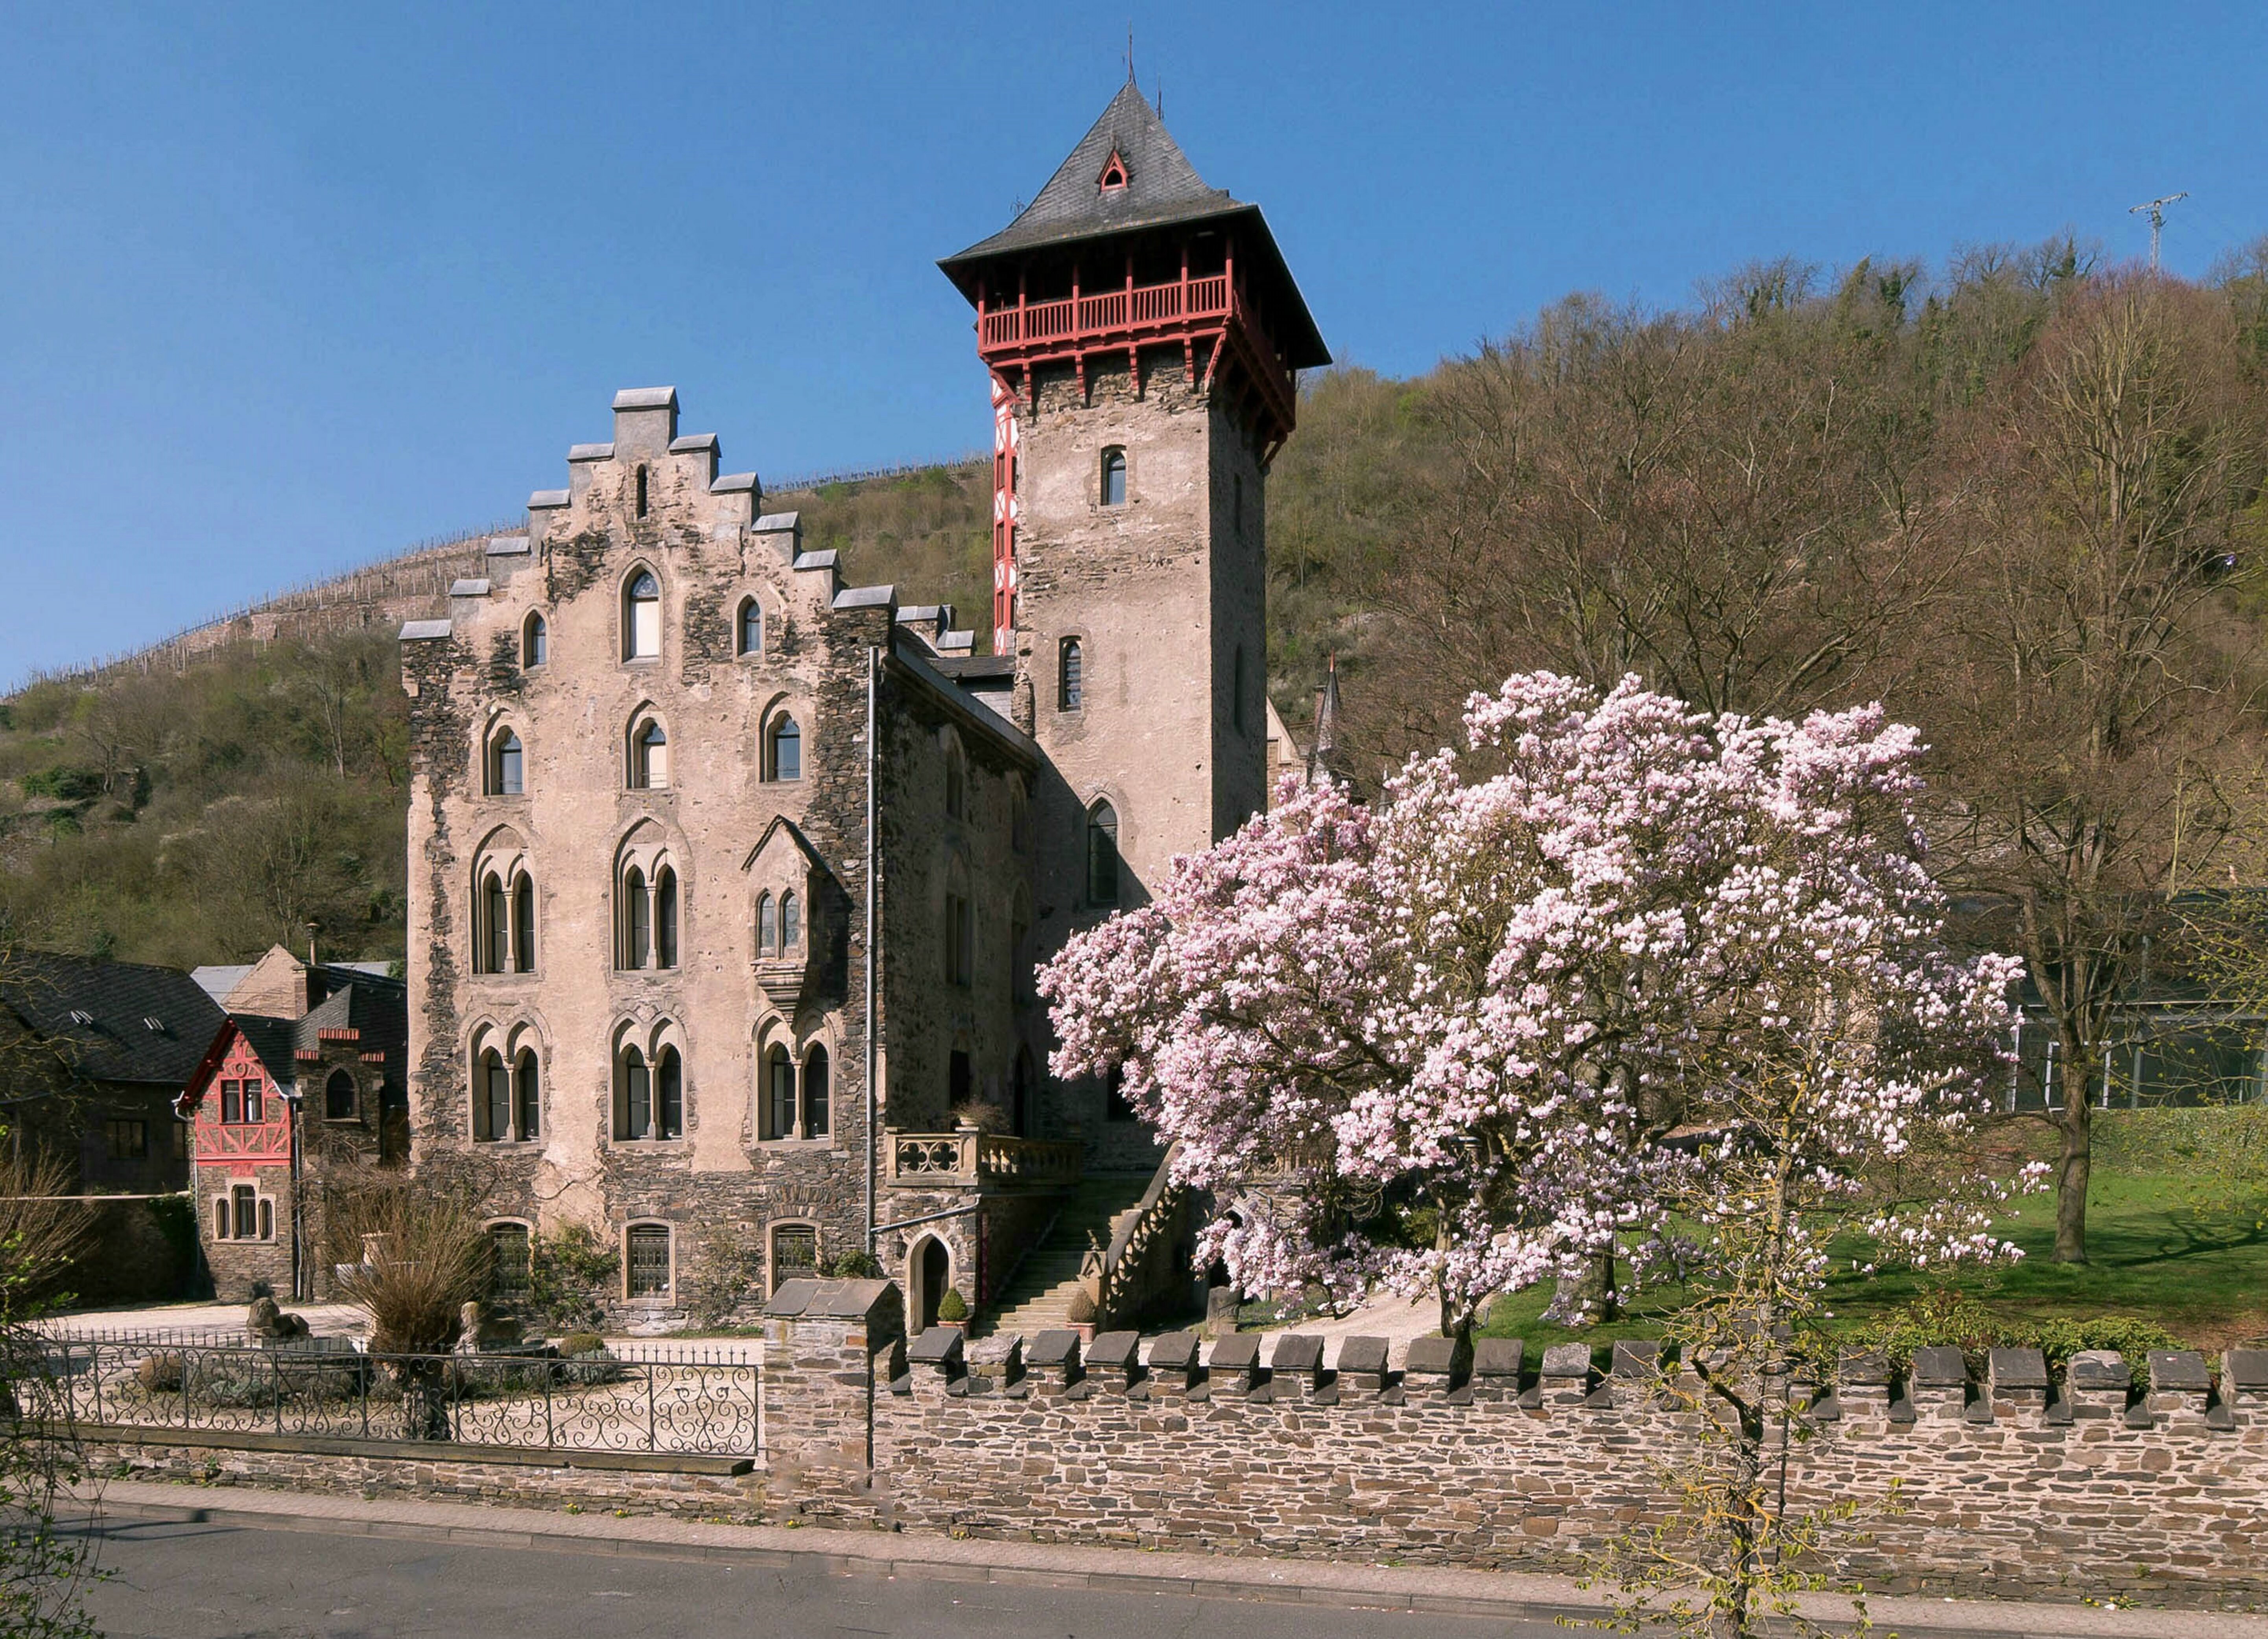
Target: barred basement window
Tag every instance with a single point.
(795, 1253)
(512, 1262)
(649, 1260)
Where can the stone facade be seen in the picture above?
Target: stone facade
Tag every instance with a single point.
(596, 775)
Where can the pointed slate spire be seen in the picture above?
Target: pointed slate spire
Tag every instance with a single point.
(1159, 185)
(1323, 756)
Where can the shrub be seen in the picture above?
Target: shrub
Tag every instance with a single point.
(952, 1307)
(571, 1275)
(728, 1266)
(851, 1266)
(1082, 1311)
(161, 1374)
(1947, 1317)
(578, 1343)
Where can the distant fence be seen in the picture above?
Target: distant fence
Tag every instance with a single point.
(801, 481)
(682, 1402)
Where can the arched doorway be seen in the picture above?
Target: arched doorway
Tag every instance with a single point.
(929, 1271)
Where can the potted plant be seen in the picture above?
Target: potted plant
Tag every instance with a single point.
(953, 1309)
(1083, 1314)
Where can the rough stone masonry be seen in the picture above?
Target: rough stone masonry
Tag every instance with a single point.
(2026, 1483)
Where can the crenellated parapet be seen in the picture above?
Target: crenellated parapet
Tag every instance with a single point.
(2106, 1476)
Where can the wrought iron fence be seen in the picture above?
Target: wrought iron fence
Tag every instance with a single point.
(687, 1402)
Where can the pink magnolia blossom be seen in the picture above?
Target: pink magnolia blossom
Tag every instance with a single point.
(1437, 1043)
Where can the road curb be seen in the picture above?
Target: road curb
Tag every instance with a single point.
(1507, 1596)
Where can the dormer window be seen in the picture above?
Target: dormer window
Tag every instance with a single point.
(1114, 175)
(642, 618)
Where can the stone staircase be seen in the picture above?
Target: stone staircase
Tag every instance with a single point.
(1038, 1296)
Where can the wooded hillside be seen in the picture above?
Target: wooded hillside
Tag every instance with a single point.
(2018, 499)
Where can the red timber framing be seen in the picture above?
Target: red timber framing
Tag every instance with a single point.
(1209, 318)
(241, 1118)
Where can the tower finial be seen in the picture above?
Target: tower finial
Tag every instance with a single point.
(1129, 51)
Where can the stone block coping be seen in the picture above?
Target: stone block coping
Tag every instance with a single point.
(507, 545)
(1055, 1347)
(1940, 1366)
(1567, 1360)
(735, 483)
(777, 523)
(1433, 1356)
(591, 453)
(1363, 1356)
(1115, 1351)
(827, 1300)
(693, 444)
(2017, 1369)
(421, 632)
(1497, 1356)
(2179, 1370)
(469, 588)
(936, 1346)
(2100, 1368)
(1637, 1358)
(645, 398)
(1864, 1369)
(814, 561)
(859, 597)
(2246, 1369)
(1296, 1353)
(547, 500)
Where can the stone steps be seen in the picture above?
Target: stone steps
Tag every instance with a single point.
(1038, 1298)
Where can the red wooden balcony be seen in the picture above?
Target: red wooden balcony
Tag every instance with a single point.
(1210, 309)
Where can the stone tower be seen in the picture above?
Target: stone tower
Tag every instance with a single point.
(1142, 332)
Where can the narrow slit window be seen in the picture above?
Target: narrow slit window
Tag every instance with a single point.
(499, 918)
(635, 1119)
(1114, 477)
(1070, 675)
(779, 1093)
(790, 927)
(767, 926)
(641, 492)
(669, 1096)
(752, 628)
(1103, 855)
(814, 1093)
(535, 647)
(492, 1100)
(523, 925)
(510, 766)
(637, 929)
(526, 1098)
(665, 918)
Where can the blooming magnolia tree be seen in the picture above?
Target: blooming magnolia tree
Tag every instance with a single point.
(1592, 965)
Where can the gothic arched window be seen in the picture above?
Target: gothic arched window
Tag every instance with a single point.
(637, 919)
(527, 1098)
(669, 1096)
(650, 757)
(339, 1095)
(1070, 675)
(752, 628)
(496, 918)
(790, 923)
(767, 926)
(507, 766)
(779, 1093)
(491, 1100)
(1103, 855)
(784, 750)
(665, 918)
(633, 1097)
(535, 643)
(642, 617)
(523, 925)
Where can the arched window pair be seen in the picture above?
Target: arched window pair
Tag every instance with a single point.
(507, 772)
(782, 749)
(507, 1098)
(748, 637)
(779, 925)
(649, 1098)
(796, 1107)
(504, 925)
(649, 755)
(649, 918)
(642, 617)
(1103, 855)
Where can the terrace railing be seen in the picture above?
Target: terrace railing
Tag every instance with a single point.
(968, 1157)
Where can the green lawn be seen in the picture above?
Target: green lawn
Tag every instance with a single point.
(2161, 1249)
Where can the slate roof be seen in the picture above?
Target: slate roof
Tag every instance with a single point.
(1162, 189)
(44, 989)
(1161, 185)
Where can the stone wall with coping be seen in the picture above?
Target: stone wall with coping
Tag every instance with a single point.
(2024, 1483)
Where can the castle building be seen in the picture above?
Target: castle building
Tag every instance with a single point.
(729, 878)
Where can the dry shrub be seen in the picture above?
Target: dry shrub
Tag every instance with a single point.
(419, 1248)
(45, 1228)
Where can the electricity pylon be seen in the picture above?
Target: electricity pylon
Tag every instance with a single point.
(2157, 209)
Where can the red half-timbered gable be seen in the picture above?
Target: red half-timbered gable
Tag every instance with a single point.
(242, 1120)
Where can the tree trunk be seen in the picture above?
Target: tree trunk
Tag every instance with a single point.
(2077, 1125)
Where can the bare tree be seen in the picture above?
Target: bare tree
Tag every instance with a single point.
(2089, 696)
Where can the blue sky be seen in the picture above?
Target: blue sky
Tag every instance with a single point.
(289, 288)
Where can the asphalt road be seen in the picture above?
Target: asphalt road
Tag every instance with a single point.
(220, 1581)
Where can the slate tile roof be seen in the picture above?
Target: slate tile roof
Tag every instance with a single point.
(100, 1014)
